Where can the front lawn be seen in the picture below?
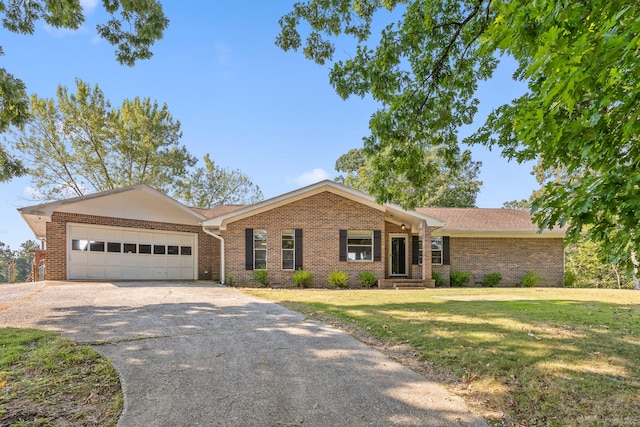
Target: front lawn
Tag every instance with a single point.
(46, 380)
(526, 357)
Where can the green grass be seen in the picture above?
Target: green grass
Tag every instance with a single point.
(552, 357)
(47, 380)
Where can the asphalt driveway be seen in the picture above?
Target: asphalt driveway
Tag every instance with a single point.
(197, 354)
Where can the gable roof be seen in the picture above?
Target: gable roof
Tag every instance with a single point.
(484, 221)
(393, 213)
(140, 202)
(218, 210)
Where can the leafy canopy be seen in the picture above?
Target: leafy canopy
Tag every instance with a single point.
(134, 26)
(449, 188)
(581, 112)
(78, 144)
(213, 185)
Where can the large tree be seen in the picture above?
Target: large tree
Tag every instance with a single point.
(133, 27)
(77, 144)
(213, 185)
(581, 61)
(457, 187)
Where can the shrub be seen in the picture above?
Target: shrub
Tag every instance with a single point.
(530, 279)
(570, 279)
(261, 277)
(460, 278)
(338, 278)
(437, 277)
(492, 279)
(228, 280)
(302, 278)
(367, 279)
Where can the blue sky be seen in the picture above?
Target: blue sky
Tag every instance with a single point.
(253, 107)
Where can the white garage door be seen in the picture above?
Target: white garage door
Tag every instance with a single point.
(111, 253)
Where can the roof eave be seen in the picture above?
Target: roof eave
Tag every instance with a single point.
(545, 234)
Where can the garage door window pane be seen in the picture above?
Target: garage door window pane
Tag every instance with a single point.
(159, 249)
(185, 250)
(144, 249)
(79, 245)
(96, 246)
(172, 250)
(129, 248)
(114, 247)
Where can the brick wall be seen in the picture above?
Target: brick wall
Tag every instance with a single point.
(56, 264)
(511, 257)
(320, 217)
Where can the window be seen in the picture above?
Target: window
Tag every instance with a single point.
(359, 245)
(173, 250)
(288, 250)
(185, 250)
(419, 250)
(436, 250)
(129, 248)
(95, 246)
(114, 247)
(80, 245)
(144, 249)
(159, 249)
(259, 249)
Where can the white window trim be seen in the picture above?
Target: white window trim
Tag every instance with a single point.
(292, 234)
(441, 250)
(372, 245)
(266, 252)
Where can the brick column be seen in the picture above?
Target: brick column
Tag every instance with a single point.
(426, 255)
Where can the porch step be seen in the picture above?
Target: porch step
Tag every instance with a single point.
(404, 283)
(409, 285)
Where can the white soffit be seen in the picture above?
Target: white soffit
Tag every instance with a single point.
(138, 202)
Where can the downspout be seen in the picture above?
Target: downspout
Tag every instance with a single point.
(222, 276)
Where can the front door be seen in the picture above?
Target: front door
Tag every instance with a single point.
(398, 255)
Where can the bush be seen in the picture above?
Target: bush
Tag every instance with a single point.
(570, 279)
(460, 278)
(261, 277)
(437, 277)
(530, 279)
(228, 280)
(367, 279)
(338, 278)
(492, 279)
(302, 278)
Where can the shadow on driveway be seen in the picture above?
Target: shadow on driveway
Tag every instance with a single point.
(202, 355)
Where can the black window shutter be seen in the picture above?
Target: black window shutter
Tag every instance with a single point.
(377, 245)
(343, 245)
(298, 250)
(446, 259)
(415, 250)
(248, 248)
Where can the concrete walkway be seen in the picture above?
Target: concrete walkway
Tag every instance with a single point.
(196, 354)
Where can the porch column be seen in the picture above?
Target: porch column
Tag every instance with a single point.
(426, 251)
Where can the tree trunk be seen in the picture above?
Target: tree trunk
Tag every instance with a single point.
(636, 281)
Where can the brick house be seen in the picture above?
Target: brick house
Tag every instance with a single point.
(139, 233)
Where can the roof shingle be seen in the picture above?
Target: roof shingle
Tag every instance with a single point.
(483, 219)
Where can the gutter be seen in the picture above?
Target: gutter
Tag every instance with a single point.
(222, 275)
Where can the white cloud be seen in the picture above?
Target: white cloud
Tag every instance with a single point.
(88, 6)
(311, 177)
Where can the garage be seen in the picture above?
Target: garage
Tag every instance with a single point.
(117, 253)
